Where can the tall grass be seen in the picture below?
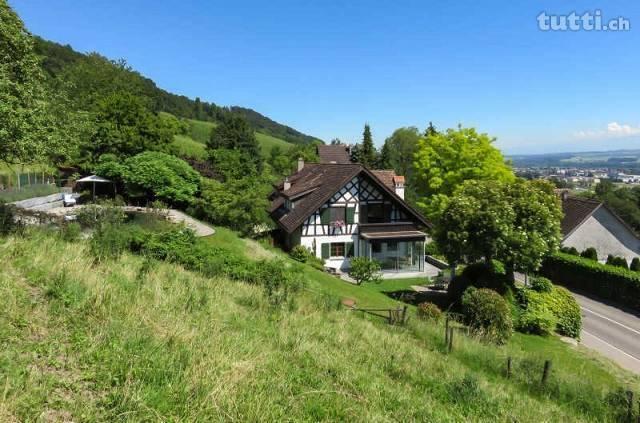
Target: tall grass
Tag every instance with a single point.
(140, 340)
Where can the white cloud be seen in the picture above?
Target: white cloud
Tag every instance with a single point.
(614, 130)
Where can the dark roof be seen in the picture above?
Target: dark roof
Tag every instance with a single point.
(386, 176)
(390, 230)
(315, 184)
(337, 154)
(576, 210)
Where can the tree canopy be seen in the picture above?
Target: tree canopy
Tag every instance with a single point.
(517, 223)
(234, 133)
(443, 161)
(365, 153)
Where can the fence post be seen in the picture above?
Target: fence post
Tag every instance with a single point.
(546, 371)
(404, 314)
(446, 331)
(508, 367)
(450, 346)
(629, 405)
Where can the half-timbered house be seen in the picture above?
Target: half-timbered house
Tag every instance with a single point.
(339, 211)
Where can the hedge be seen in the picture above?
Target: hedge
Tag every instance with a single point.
(607, 282)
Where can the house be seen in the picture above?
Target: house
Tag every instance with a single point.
(590, 223)
(344, 210)
(335, 153)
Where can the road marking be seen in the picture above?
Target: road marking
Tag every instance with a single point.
(611, 320)
(612, 346)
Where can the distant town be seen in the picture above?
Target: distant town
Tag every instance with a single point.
(578, 178)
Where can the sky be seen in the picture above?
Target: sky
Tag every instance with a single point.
(328, 67)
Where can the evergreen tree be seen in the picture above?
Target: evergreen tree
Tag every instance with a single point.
(384, 158)
(365, 153)
(431, 130)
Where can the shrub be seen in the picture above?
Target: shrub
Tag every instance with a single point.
(487, 314)
(570, 250)
(590, 253)
(8, 222)
(300, 253)
(617, 261)
(541, 284)
(428, 311)
(96, 215)
(480, 275)
(608, 282)
(635, 264)
(364, 270)
(109, 242)
(536, 318)
(567, 310)
(71, 231)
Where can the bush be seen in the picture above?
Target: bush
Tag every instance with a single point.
(428, 311)
(590, 253)
(487, 314)
(364, 270)
(71, 231)
(567, 310)
(480, 275)
(541, 284)
(570, 250)
(8, 222)
(617, 261)
(635, 264)
(96, 215)
(300, 253)
(608, 282)
(538, 321)
(109, 242)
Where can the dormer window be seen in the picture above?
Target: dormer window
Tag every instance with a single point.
(288, 204)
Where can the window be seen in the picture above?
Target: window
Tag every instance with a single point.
(337, 249)
(338, 214)
(392, 246)
(377, 213)
(376, 247)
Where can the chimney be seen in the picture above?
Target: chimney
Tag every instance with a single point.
(287, 185)
(398, 185)
(300, 164)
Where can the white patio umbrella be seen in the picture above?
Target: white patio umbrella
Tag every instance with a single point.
(94, 179)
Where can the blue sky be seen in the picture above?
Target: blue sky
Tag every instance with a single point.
(327, 67)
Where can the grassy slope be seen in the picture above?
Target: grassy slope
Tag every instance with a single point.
(130, 342)
(193, 145)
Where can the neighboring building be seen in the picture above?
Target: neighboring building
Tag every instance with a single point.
(339, 211)
(590, 223)
(337, 154)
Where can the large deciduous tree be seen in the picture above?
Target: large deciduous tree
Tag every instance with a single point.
(517, 223)
(235, 133)
(32, 128)
(125, 127)
(443, 161)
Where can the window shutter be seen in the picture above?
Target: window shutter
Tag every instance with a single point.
(351, 214)
(326, 250)
(349, 249)
(325, 216)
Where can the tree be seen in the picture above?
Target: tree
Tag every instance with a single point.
(516, 223)
(336, 141)
(31, 130)
(402, 146)
(234, 133)
(365, 153)
(590, 253)
(233, 164)
(431, 130)
(443, 161)
(154, 175)
(365, 270)
(125, 127)
(240, 204)
(384, 158)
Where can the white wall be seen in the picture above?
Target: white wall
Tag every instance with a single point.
(342, 263)
(607, 235)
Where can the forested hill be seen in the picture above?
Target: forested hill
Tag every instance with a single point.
(92, 75)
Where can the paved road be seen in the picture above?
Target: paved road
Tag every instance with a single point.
(611, 331)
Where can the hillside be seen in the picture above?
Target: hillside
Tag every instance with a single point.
(94, 72)
(146, 341)
(193, 144)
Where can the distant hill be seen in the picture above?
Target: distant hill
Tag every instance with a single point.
(193, 145)
(624, 159)
(57, 59)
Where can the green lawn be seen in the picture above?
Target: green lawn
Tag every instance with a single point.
(185, 146)
(267, 143)
(138, 340)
